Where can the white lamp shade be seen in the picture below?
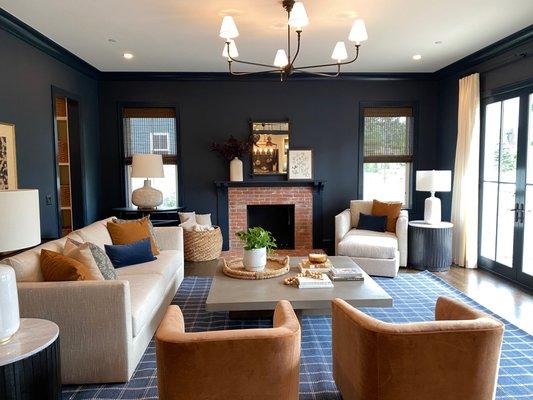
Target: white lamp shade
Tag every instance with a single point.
(358, 33)
(433, 181)
(298, 16)
(20, 225)
(281, 59)
(339, 52)
(228, 29)
(147, 166)
(232, 50)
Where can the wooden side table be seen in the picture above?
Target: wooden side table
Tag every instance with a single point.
(159, 216)
(30, 362)
(430, 245)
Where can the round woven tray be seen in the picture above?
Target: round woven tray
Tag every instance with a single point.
(276, 266)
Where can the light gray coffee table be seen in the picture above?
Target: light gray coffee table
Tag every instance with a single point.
(239, 295)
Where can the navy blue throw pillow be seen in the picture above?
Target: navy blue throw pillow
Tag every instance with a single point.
(372, 222)
(122, 255)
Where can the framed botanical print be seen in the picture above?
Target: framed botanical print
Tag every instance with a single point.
(300, 164)
(8, 157)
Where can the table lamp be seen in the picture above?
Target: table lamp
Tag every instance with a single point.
(433, 181)
(20, 228)
(147, 166)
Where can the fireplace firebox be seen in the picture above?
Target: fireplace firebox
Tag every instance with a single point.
(275, 218)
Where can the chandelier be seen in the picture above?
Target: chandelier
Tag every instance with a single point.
(284, 61)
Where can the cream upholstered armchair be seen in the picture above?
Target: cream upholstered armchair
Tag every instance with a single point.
(377, 253)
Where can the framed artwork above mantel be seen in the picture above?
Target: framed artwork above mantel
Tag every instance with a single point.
(8, 157)
(300, 165)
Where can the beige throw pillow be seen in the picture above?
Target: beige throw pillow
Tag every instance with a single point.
(203, 219)
(185, 216)
(83, 254)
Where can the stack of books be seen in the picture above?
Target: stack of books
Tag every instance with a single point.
(346, 274)
(314, 283)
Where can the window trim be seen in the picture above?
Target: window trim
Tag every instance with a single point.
(414, 105)
(166, 159)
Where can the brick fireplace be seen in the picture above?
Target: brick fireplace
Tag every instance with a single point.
(235, 197)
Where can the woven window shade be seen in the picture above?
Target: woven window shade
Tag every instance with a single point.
(150, 131)
(388, 134)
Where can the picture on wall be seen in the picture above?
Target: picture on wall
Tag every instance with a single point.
(8, 160)
(300, 164)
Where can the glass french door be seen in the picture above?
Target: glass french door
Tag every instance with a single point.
(506, 186)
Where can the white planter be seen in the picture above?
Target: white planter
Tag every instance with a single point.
(235, 170)
(9, 303)
(255, 260)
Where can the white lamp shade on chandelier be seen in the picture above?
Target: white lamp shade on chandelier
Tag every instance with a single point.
(228, 29)
(433, 181)
(339, 52)
(233, 52)
(298, 16)
(358, 33)
(20, 228)
(147, 166)
(281, 59)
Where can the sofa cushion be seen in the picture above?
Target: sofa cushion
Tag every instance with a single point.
(57, 267)
(132, 231)
(167, 264)
(369, 244)
(146, 293)
(96, 233)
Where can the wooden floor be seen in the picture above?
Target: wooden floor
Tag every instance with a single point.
(506, 299)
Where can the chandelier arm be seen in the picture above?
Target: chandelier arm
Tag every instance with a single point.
(250, 73)
(333, 64)
(297, 51)
(320, 73)
(231, 59)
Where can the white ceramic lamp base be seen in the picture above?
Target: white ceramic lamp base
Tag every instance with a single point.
(147, 197)
(432, 210)
(9, 304)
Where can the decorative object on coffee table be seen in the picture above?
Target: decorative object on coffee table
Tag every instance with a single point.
(275, 266)
(29, 362)
(257, 242)
(430, 245)
(433, 181)
(202, 245)
(232, 150)
(300, 164)
(147, 166)
(20, 228)
(307, 265)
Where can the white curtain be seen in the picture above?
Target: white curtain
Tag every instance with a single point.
(465, 197)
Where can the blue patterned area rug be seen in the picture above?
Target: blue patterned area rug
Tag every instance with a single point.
(414, 300)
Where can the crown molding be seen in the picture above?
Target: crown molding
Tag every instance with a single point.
(21, 30)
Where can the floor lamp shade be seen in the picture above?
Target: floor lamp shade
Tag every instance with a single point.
(20, 228)
(433, 181)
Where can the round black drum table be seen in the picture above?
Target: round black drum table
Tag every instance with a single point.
(29, 362)
(430, 245)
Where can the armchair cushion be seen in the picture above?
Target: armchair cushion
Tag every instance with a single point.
(369, 244)
(391, 210)
(372, 222)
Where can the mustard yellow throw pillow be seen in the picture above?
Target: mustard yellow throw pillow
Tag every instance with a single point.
(129, 232)
(57, 267)
(390, 210)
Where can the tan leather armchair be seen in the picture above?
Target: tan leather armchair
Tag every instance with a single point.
(454, 357)
(232, 364)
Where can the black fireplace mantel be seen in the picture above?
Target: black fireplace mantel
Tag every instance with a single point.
(222, 204)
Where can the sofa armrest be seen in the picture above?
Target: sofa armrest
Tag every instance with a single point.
(169, 237)
(401, 234)
(343, 223)
(94, 319)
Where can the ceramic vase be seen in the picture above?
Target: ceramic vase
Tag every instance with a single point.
(255, 260)
(9, 303)
(235, 170)
(147, 197)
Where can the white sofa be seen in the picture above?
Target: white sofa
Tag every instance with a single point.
(104, 326)
(378, 253)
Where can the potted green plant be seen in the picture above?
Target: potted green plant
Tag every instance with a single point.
(257, 243)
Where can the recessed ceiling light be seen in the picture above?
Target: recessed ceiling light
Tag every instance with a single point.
(417, 57)
(128, 56)
(437, 42)
(111, 40)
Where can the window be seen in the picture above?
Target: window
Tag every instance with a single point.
(387, 153)
(150, 130)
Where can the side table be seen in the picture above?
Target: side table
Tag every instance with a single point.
(155, 214)
(430, 245)
(30, 362)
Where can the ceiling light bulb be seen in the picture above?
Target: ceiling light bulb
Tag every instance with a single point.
(232, 50)
(417, 57)
(358, 33)
(281, 59)
(298, 16)
(128, 56)
(339, 52)
(228, 29)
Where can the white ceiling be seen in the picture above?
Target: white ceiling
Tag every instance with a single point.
(182, 35)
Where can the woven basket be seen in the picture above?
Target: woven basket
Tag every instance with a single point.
(203, 245)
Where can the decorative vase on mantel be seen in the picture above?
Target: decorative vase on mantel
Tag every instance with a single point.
(235, 170)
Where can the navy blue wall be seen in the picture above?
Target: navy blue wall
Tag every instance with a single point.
(26, 79)
(324, 116)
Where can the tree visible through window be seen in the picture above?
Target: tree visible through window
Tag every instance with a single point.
(388, 153)
(152, 130)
